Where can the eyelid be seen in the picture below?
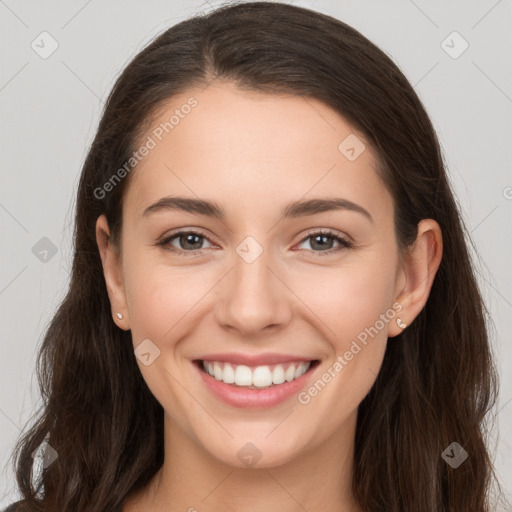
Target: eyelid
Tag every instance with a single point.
(165, 239)
(326, 231)
(344, 240)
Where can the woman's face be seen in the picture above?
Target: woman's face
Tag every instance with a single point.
(264, 276)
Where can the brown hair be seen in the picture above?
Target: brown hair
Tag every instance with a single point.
(437, 382)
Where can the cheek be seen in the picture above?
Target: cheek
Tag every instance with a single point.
(356, 306)
(163, 306)
(348, 299)
(161, 300)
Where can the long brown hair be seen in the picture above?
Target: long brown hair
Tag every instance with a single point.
(438, 380)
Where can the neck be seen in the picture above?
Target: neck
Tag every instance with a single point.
(194, 481)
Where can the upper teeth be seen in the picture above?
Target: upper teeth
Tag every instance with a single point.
(259, 376)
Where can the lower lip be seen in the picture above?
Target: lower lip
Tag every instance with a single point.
(254, 398)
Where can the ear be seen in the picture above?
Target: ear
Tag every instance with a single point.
(418, 270)
(112, 270)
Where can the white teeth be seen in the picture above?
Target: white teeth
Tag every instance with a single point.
(262, 377)
(278, 375)
(243, 376)
(259, 377)
(289, 374)
(217, 371)
(301, 369)
(229, 374)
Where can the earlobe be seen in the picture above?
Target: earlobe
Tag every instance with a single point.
(112, 272)
(420, 266)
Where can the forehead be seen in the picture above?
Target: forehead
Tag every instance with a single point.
(255, 149)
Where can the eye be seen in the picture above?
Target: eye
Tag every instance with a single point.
(189, 241)
(320, 240)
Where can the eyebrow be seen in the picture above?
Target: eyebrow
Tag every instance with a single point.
(293, 210)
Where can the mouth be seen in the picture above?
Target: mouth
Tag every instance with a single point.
(260, 377)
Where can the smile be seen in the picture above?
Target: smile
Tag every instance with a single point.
(258, 377)
(251, 386)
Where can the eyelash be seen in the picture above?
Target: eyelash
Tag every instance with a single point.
(344, 243)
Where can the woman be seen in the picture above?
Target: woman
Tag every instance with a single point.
(320, 345)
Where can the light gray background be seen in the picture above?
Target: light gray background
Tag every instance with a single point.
(50, 109)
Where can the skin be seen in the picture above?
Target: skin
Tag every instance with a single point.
(252, 154)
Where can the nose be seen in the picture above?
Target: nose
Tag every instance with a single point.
(253, 297)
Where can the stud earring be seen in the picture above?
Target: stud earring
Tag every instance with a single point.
(400, 323)
(119, 315)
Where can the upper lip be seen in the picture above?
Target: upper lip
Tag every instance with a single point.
(254, 360)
